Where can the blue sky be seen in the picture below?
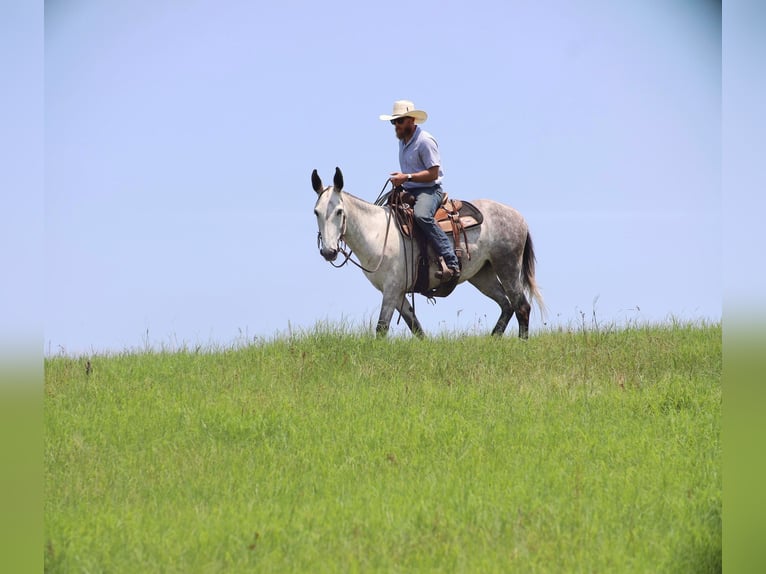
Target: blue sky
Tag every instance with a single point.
(180, 139)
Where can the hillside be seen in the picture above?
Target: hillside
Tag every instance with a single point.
(593, 450)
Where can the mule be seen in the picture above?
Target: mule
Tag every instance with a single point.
(501, 264)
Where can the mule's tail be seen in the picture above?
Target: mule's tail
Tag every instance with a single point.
(528, 275)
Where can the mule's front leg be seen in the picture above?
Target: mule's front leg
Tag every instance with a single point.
(386, 313)
(409, 317)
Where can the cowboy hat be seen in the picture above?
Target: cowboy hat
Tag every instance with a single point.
(405, 108)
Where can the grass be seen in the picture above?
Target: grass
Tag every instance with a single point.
(584, 450)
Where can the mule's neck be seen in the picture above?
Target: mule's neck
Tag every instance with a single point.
(366, 225)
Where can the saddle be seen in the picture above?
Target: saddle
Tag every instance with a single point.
(454, 216)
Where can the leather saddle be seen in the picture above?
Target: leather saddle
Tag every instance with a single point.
(454, 216)
(449, 213)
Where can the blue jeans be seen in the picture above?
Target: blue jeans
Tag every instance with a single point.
(427, 201)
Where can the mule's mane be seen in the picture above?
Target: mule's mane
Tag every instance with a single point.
(347, 194)
(360, 203)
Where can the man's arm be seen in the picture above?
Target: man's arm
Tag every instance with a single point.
(424, 176)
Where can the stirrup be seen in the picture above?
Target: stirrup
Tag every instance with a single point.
(447, 274)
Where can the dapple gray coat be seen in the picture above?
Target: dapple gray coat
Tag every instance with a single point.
(501, 264)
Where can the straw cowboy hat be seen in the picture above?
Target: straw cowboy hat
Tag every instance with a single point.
(405, 108)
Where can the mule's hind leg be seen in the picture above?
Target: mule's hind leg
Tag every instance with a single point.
(487, 282)
(510, 279)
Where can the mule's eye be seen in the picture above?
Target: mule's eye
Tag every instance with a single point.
(339, 212)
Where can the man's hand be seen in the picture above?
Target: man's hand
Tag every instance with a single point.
(397, 178)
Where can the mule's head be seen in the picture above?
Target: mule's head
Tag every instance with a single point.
(330, 214)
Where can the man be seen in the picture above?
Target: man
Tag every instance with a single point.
(421, 175)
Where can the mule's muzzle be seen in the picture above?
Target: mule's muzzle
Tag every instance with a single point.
(329, 254)
(324, 251)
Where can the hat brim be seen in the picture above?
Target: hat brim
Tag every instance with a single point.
(419, 115)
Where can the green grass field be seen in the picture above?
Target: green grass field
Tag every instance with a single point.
(577, 451)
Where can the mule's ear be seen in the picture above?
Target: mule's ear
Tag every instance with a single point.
(338, 179)
(316, 181)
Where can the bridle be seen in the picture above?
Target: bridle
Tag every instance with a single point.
(346, 250)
